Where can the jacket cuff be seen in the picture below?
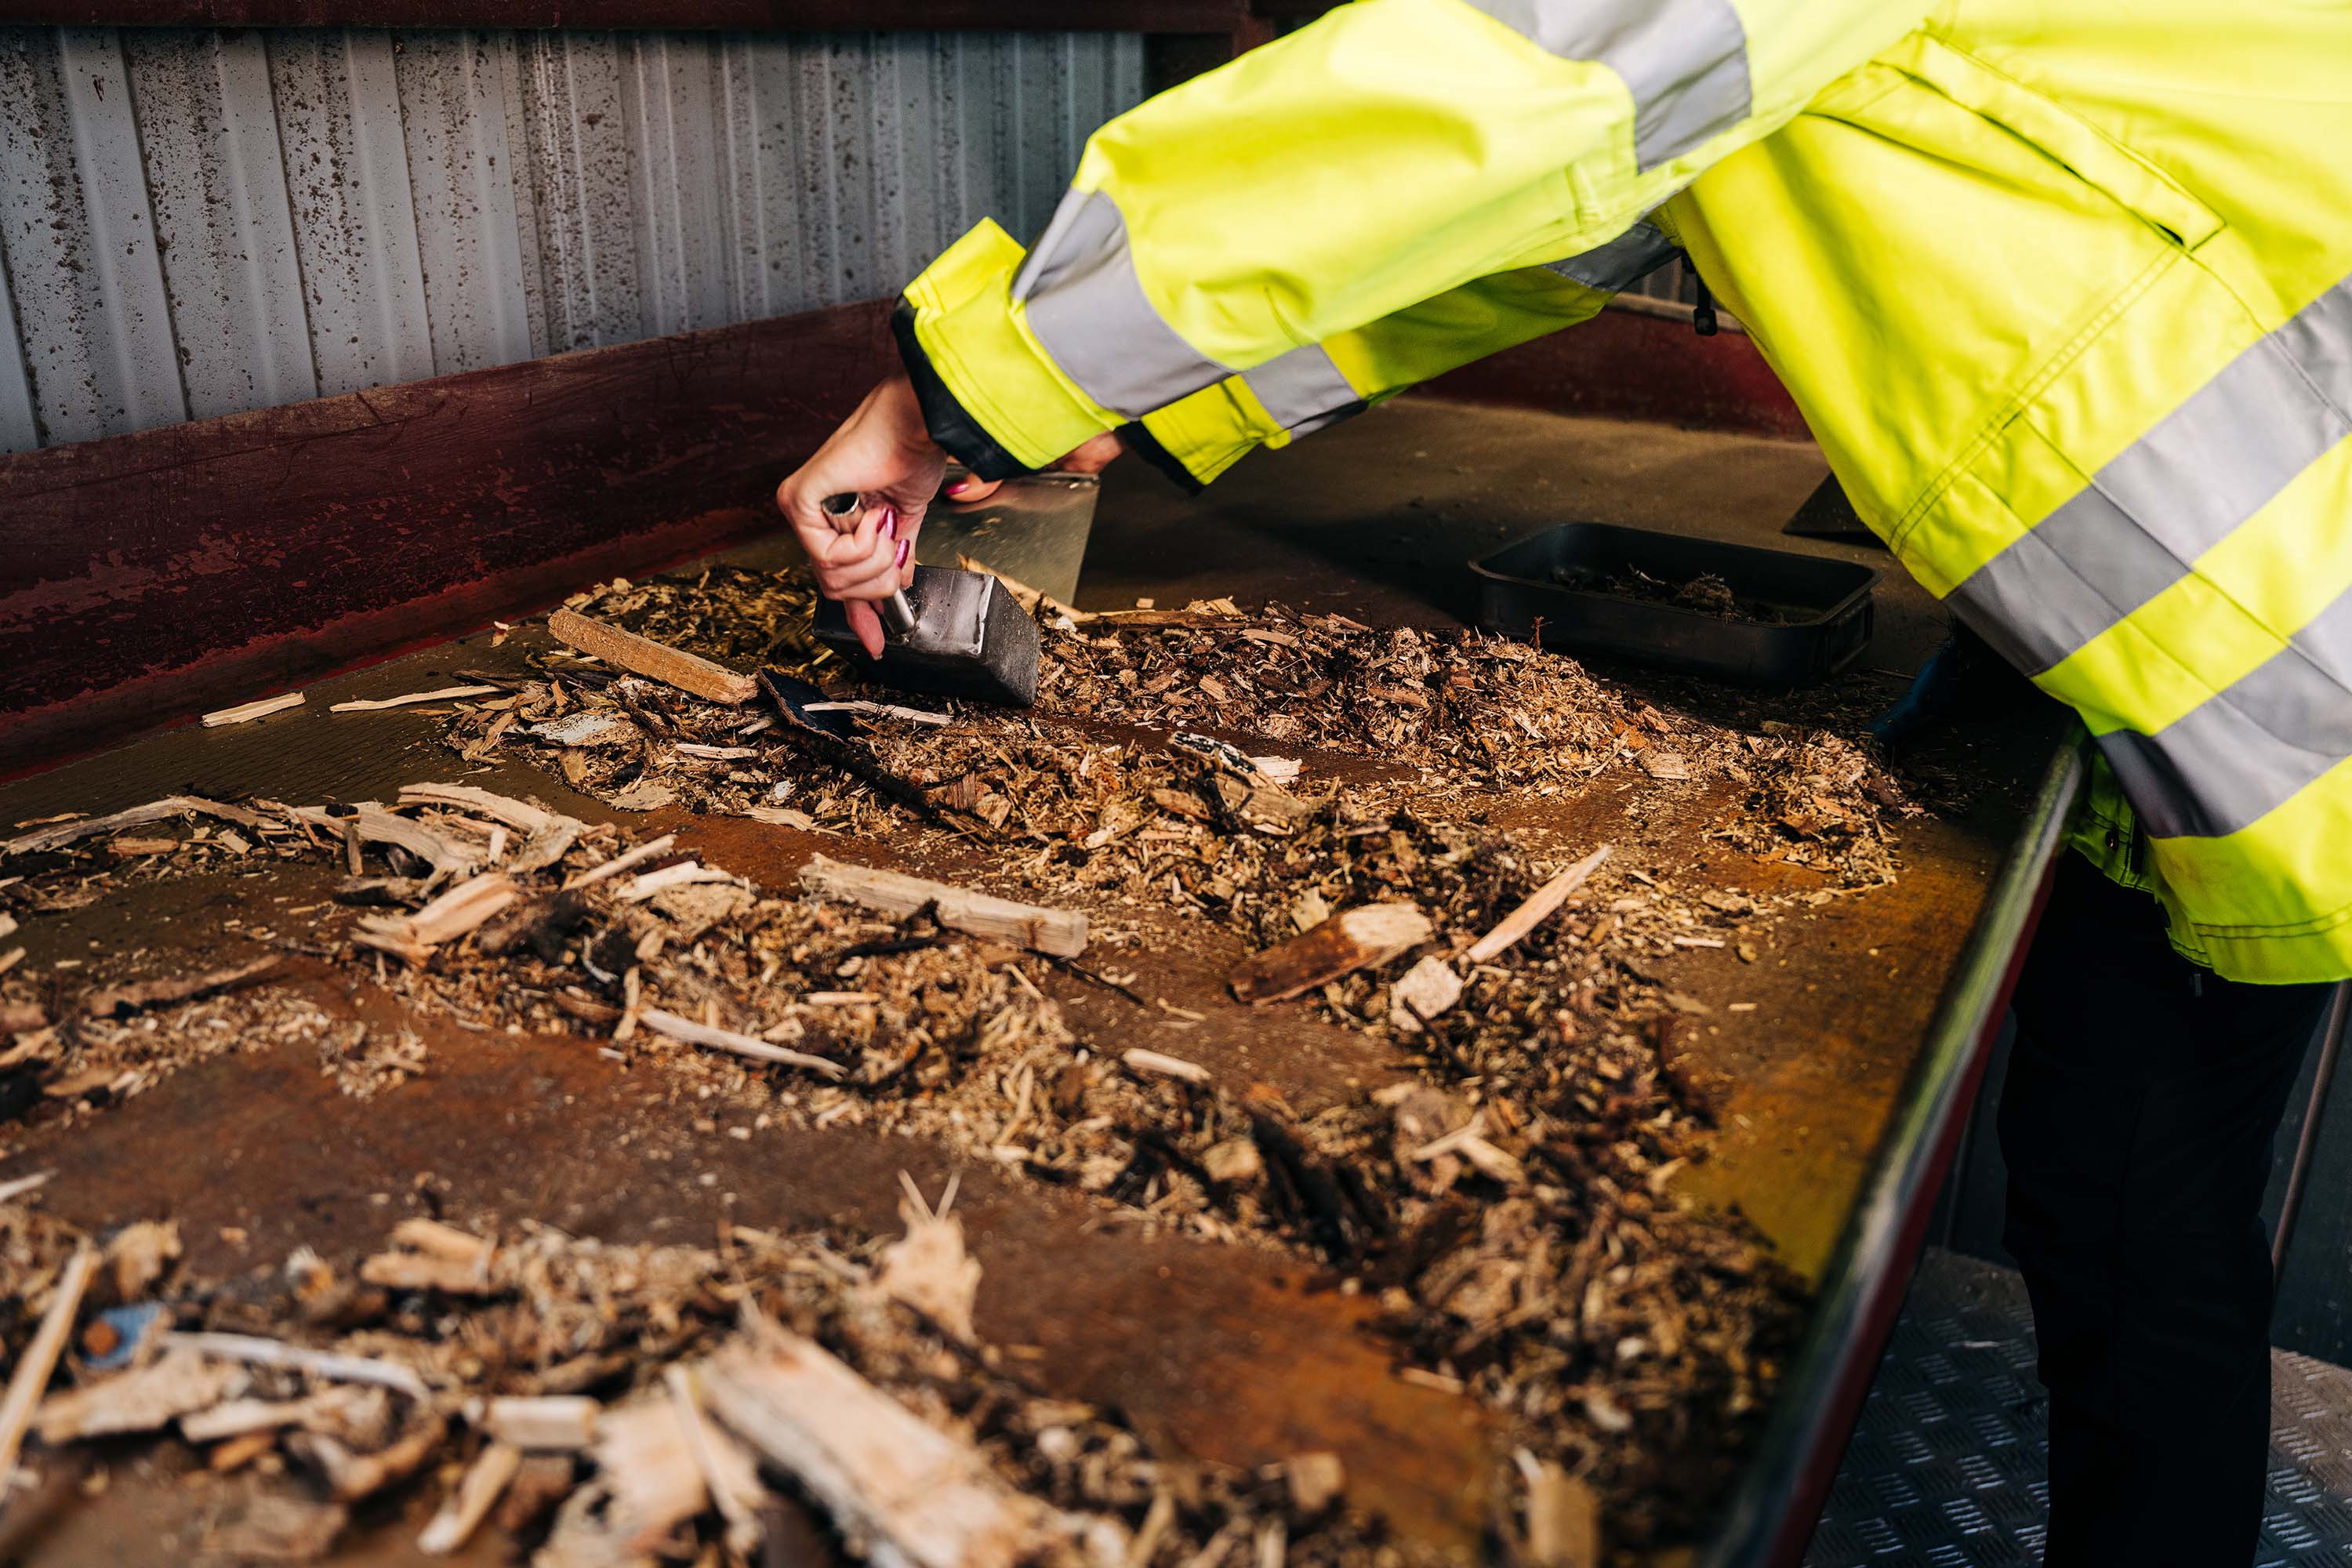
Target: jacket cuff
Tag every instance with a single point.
(958, 434)
(990, 394)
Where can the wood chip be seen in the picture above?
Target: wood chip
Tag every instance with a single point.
(122, 1001)
(246, 712)
(519, 815)
(926, 1498)
(927, 1267)
(457, 912)
(1563, 1517)
(329, 1409)
(477, 1492)
(377, 705)
(39, 1360)
(695, 1034)
(652, 849)
(1423, 992)
(565, 1422)
(11, 1190)
(139, 1400)
(1352, 939)
(1059, 931)
(728, 1473)
(1538, 908)
(351, 1477)
(61, 833)
(686, 873)
(1155, 1064)
(656, 662)
(138, 1254)
(259, 1351)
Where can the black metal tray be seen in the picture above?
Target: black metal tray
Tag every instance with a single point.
(1824, 605)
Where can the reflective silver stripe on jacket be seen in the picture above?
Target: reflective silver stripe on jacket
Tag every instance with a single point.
(2179, 490)
(1685, 61)
(2245, 752)
(1088, 309)
(1303, 390)
(1621, 262)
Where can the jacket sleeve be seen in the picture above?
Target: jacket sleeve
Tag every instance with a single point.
(1376, 161)
(1199, 437)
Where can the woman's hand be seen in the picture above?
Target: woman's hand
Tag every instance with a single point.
(884, 454)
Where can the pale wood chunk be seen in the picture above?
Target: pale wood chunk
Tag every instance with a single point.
(1538, 908)
(650, 849)
(1314, 1481)
(449, 917)
(1059, 931)
(351, 1477)
(446, 1241)
(926, 1498)
(245, 713)
(138, 1254)
(656, 662)
(686, 873)
(1352, 939)
(728, 1473)
(40, 1358)
(1424, 990)
(479, 1491)
(549, 1421)
(139, 1400)
(1563, 1529)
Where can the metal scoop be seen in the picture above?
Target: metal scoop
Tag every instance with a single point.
(955, 633)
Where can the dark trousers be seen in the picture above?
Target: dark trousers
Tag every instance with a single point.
(2138, 1123)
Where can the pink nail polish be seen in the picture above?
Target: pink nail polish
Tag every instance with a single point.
(958, 487)
(890, 521)
(904, 546)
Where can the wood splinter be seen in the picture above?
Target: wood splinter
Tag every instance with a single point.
(655, 661)
(1062, 933)
(1538, 908)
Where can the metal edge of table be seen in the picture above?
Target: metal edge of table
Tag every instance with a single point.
(1771, 1518)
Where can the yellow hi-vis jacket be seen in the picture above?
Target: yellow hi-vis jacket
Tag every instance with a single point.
(2064, 287)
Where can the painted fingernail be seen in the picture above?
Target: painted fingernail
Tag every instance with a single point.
(903, 545)
(958, 487)
(890, 521)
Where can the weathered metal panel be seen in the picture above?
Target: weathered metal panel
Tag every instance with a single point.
(194, 222)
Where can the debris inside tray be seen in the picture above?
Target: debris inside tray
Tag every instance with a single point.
(1707, 592)
(1507, 1197)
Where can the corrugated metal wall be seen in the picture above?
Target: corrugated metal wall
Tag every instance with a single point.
(197, 222)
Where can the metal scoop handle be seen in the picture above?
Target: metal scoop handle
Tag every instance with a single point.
(844, 510)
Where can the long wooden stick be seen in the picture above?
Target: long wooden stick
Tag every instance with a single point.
(40, 1358)
(1059, 931)
(654, 660)
(1538, 908)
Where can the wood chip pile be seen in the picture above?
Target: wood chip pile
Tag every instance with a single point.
(1508, 1198)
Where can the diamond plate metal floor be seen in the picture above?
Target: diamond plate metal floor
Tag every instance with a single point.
(1948, 1467)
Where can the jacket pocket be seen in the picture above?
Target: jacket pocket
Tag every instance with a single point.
(2093, 156)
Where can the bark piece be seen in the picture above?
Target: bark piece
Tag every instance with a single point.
(1538, 908)
(931, 1499)
(656, 662)
(245, 713)
(1059, 931)
(40, 1358)
(477, 1492)
(122, 1001)
(1352, 939)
